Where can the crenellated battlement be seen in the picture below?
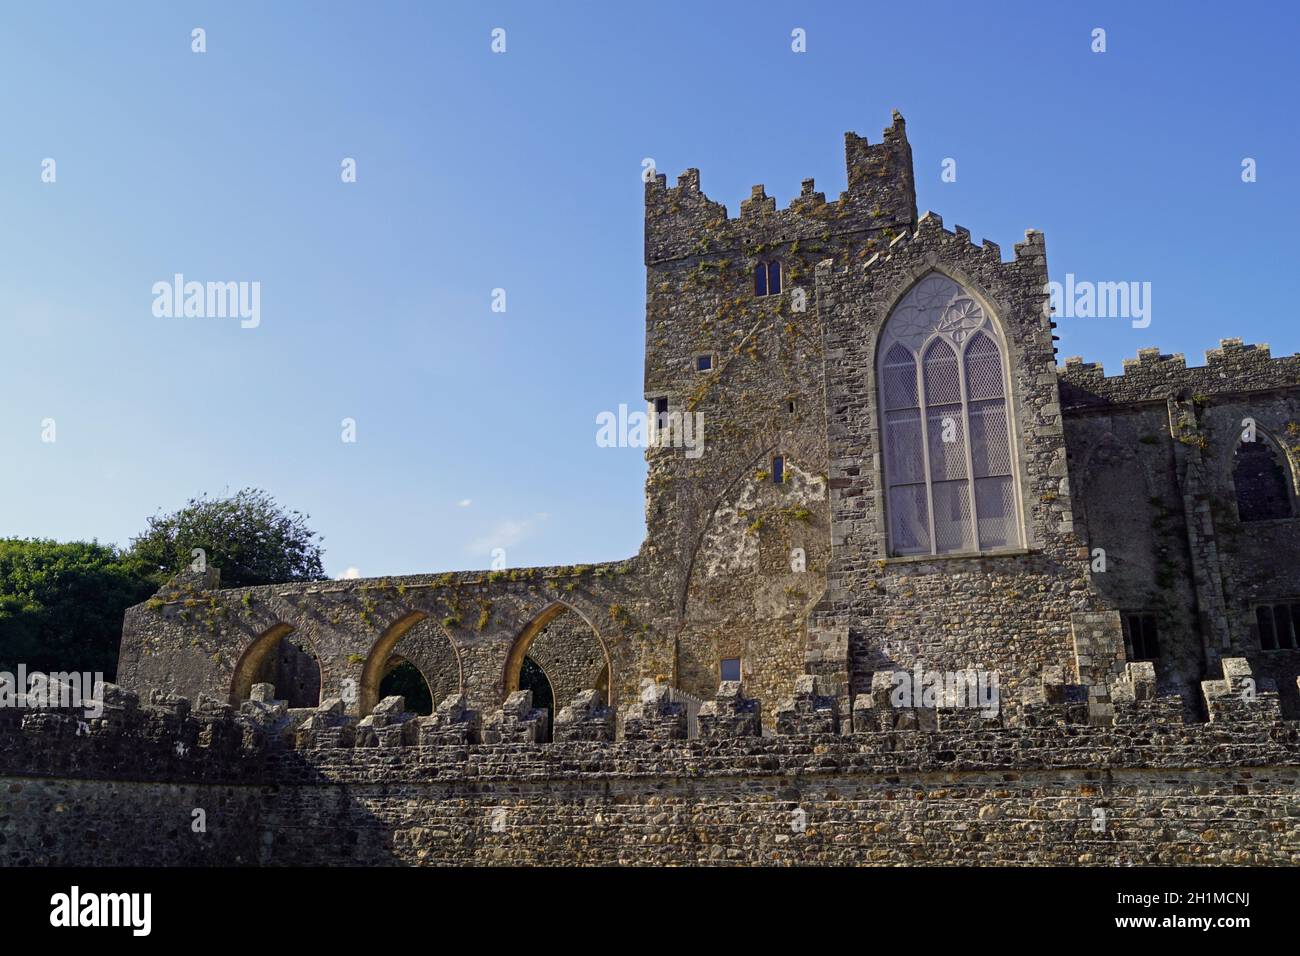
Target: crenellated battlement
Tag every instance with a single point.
(930, 232)
(263, 741)
(158, 782)
(682, 221)
(1155, 376)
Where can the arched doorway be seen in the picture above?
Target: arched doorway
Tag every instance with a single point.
(533, 677)
(567, 650)
(418, 641)
(404, 679)
(281, 657)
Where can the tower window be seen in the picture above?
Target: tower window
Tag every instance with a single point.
(729, 668)
(789, 406)
(767, 278)
(703, 363)
(1263, 491)
(1140, 639)
(778, 470)
(1279, 626)
(661, 415)
(945, 429)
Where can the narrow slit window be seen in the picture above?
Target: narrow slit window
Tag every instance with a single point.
(778, 470)
(760, 279)
(661, 416)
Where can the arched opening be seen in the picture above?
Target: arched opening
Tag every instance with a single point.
(533, 677)
(426, 648)
(568, 651)
(405, 680)
(1261, 481)
(946, 433)
(288, 662)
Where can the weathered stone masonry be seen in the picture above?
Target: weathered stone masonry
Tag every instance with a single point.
(1138, 465)
(281, 788)
(1112, 502)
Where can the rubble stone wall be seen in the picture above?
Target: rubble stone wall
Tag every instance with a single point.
(160, 784)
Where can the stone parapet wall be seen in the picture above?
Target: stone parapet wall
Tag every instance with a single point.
(682, 221)
(1153, 376)
(1144, 788)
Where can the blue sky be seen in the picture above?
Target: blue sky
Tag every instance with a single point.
(521, 171)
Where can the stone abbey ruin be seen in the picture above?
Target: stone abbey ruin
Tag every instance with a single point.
(897, 479)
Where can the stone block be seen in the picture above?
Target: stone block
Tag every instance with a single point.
(655, 715)
(807, 710)
(1240, 697)
(517, 722)
(452, 723)
(585, 718)
(730, 714)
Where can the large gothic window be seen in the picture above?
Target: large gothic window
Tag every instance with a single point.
(1261, 482)
(945, 428)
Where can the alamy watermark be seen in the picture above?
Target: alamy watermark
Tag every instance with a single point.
(951, 690)
(65, 689)
(132, 911)
(1084, 299)
(663, 429)
(208, 300)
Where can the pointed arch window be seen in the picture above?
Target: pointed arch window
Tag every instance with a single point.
(945, 429)
(1261, 481)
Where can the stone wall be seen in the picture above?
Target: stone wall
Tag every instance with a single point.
(1152, 453)
(1017, 612)
(286, 788)
(465, 632)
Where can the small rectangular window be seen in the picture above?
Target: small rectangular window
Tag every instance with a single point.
(703, 363)
(1141, 642)
(767, 278)
(1279, 626)
(660, 424)
(778, 470)
(789, 406)
(730, 668)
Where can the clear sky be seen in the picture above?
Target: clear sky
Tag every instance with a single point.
(521, 170)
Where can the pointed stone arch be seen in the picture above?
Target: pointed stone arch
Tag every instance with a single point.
(524, 641)
(947, 422)
(377, 664)
(251, 666)
(1262, 479)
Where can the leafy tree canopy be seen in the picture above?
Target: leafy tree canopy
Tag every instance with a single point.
(61, 605)
(248, 536)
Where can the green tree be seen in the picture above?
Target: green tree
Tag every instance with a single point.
(250, 538)
(61, 604)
